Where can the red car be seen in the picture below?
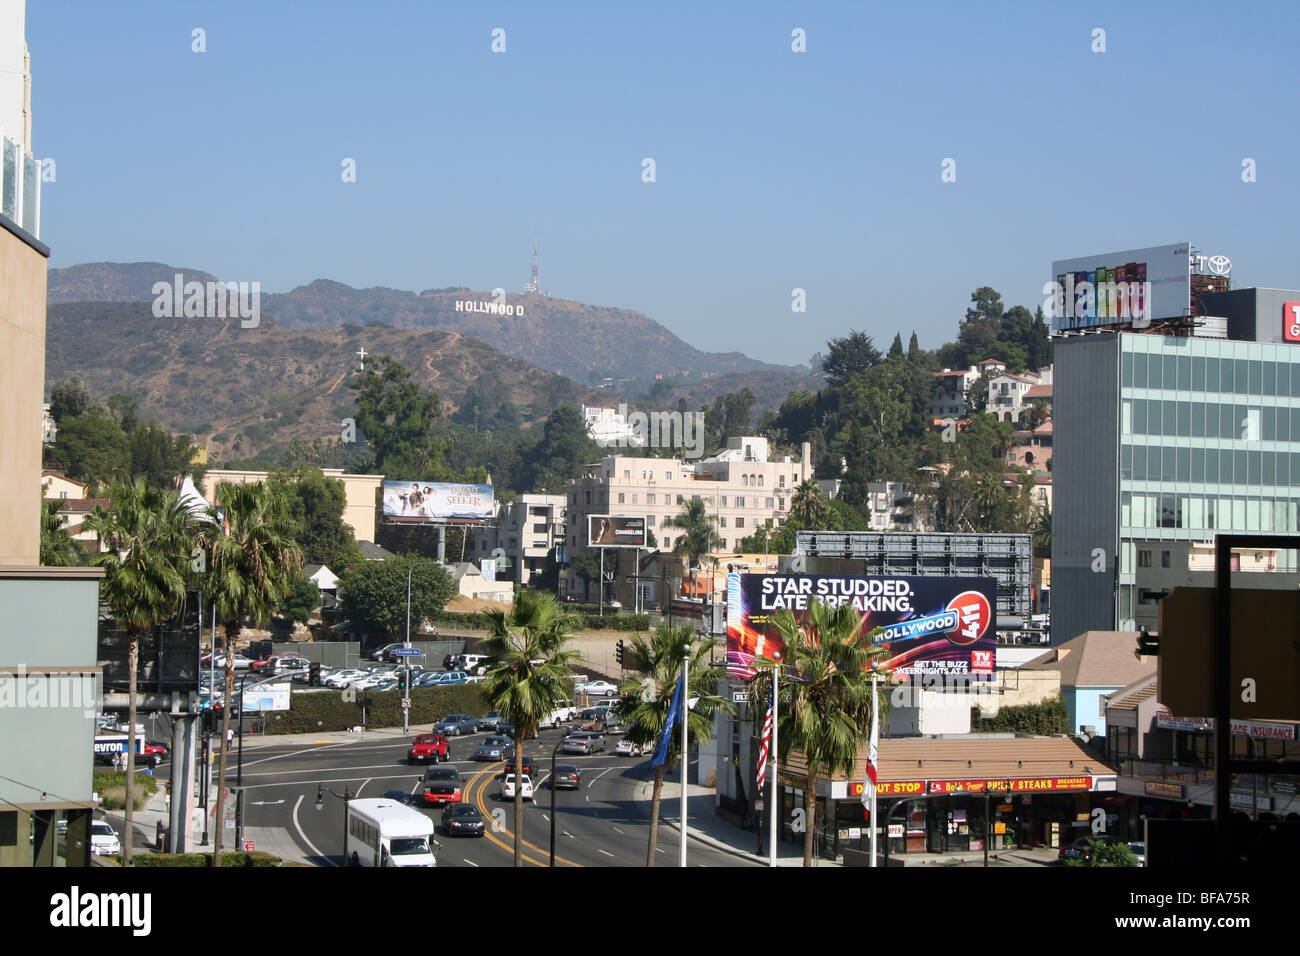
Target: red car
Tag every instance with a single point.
(429, 748)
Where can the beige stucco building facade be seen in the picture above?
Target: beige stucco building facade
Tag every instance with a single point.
(361, 492)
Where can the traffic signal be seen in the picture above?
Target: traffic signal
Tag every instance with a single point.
(1148, 646)
(618, 652)
(313, 674)
(210, 721)
(866, 814)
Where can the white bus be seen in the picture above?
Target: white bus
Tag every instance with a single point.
(386, 833)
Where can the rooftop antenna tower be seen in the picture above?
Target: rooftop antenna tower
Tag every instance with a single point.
(534, 285)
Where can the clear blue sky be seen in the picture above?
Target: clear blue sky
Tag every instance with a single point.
(775, 170)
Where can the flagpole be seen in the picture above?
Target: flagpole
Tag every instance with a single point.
(773, 758)
(871, 761)
(686, 663)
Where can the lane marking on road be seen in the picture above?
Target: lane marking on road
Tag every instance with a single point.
(659, 850)
(280, 773)
(616, 829)
(568, 834)
(470, 862)
(476, 789)
(362, 787)
(299, 783)
(296, 826)
(606, 852)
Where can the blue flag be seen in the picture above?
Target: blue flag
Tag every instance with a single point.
(674, 708)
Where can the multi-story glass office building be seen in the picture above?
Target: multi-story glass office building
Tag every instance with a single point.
(1166, 440)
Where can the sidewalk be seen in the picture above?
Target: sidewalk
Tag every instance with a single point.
(705, 825)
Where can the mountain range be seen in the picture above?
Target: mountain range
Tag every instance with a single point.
(243, 390)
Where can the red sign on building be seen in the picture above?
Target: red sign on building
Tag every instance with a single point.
(1291, 321)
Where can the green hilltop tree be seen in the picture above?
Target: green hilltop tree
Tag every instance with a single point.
(396, 416)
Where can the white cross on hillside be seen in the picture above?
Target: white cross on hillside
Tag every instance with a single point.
(362, 353)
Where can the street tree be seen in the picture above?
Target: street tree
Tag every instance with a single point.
(699, 538)
(646, 701)
(251, 563)
(529, 670)
(825, 706)
(146, 536)
(373, 593)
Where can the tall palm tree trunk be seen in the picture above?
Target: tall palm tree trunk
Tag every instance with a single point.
(810, 813)
(654, 815)
(132, 670)
(519, 795)
(220, 825)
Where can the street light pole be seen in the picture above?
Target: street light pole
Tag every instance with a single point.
(346, 797)
(686, 664)
(406, 694)
(774, 757)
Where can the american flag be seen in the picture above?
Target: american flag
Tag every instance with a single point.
(763, 746)
(871, 784)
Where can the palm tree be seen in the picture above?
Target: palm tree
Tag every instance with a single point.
(1042, 533)
(825, 695)
(809, 506)
(534, 629)
(700, 538)
(147, 534)
(647, 700)
(252, 566)
(58, 548)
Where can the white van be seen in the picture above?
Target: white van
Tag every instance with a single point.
(386, 833)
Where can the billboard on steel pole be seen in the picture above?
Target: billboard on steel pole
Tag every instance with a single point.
(615, 531)
(932, 626)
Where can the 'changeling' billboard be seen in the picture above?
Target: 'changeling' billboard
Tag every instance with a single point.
(932, 626)
(431, 501)
(615, 531)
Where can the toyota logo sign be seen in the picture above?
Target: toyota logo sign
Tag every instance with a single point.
(1215, 265)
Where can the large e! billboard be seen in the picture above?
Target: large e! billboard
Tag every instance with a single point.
(1114, 288)
(941, 626)
(615, 531)
(415, 501)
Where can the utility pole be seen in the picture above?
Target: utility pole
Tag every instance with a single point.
(686, 666)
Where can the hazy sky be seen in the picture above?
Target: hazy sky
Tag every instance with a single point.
(774, 170)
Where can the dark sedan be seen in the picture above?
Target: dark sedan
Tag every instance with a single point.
(567, 777)
(463, 819)
(530, 766)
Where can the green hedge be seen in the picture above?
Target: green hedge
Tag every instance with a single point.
(233, 858)
(590, 621)
(616, 622)
(325, 712)
(1041, 719)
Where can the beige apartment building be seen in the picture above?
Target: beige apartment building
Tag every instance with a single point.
(523, 532)
(361, 492)
(741, 487)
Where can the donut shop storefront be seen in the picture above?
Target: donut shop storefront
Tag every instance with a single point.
(942, 795)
